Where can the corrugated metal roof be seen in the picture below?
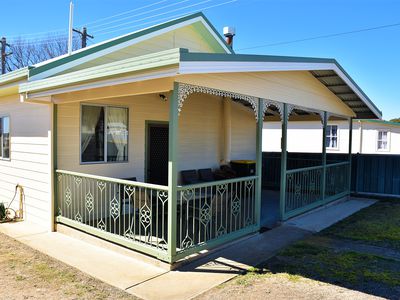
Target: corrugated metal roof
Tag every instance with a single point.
(337, 86)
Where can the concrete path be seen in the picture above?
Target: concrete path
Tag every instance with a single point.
(326, 216)
(150, 282)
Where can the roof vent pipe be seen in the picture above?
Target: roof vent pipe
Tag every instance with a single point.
(229, 33)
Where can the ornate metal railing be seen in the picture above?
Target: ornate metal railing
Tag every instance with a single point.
(337, 179)
(129, 213)
(305, 190)
(212, 211)
(303, 187)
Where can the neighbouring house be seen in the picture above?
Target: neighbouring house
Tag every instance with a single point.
(369, 137)
(118, 139)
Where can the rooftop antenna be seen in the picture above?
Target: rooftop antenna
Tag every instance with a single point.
(70, 28)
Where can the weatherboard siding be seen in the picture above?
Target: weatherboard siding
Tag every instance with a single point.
(186, 37)
(200, 134)
(29, 165)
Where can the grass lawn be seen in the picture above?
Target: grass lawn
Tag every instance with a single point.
(377, 225)
(313, 270)
(28, 274)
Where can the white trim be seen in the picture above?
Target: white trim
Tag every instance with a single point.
(377, 140)
(111, 49)
(201, 67)
(337, 148)
(105, 83)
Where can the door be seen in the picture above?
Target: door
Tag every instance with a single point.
(157, 153)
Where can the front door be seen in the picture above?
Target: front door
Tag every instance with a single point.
(157, 153)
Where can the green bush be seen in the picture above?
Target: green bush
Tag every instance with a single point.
(2, 211)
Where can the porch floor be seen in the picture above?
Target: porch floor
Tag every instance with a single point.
(269, 208)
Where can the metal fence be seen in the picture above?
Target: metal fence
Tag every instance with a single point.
(209, 212)
(135, 214)
(129, 213)
(305, 187)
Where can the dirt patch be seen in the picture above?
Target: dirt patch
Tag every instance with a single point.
(282, 286)
(28, 274)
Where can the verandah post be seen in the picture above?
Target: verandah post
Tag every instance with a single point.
(350, 151)
(260, 122)
(172, 172)
(324, 125)
(282, 199)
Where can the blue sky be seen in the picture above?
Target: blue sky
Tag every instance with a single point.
(371, 58)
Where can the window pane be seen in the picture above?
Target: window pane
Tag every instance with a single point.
(117, 134)
(92, 135)
(384, 135)
(1, 137)
(334, 142)
(334, 130)
(6, 137)
(380, 135)
(328, 142)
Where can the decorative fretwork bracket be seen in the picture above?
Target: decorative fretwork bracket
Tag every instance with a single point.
(279, 106)
(184, 90)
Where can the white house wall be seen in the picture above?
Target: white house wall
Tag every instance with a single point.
(200, 134)
(306, 137)
(30, 163)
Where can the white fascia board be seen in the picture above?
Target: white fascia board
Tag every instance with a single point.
(105, 83)
(203, 67)
(111, 49)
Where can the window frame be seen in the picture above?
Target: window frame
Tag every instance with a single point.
(388, 140)
(1, 139)
(105, 161)
(337, 137)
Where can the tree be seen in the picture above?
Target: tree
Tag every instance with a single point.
(27, 53)
(396, 120)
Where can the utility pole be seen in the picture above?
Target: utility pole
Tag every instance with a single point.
(4, 55)
(84, 36)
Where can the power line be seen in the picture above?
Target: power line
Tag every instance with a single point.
(168, 18)
(153, 16)
(124, 13)
(140, 14)
(39, 35)
(322, 36)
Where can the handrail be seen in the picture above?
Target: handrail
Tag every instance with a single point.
(216, 182)
(316, 167)
(338, 164)
(304, 169)
(115, 180)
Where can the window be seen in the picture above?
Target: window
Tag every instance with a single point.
(383, 140)
(104, 134)
(5, 137)
(331, 138)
